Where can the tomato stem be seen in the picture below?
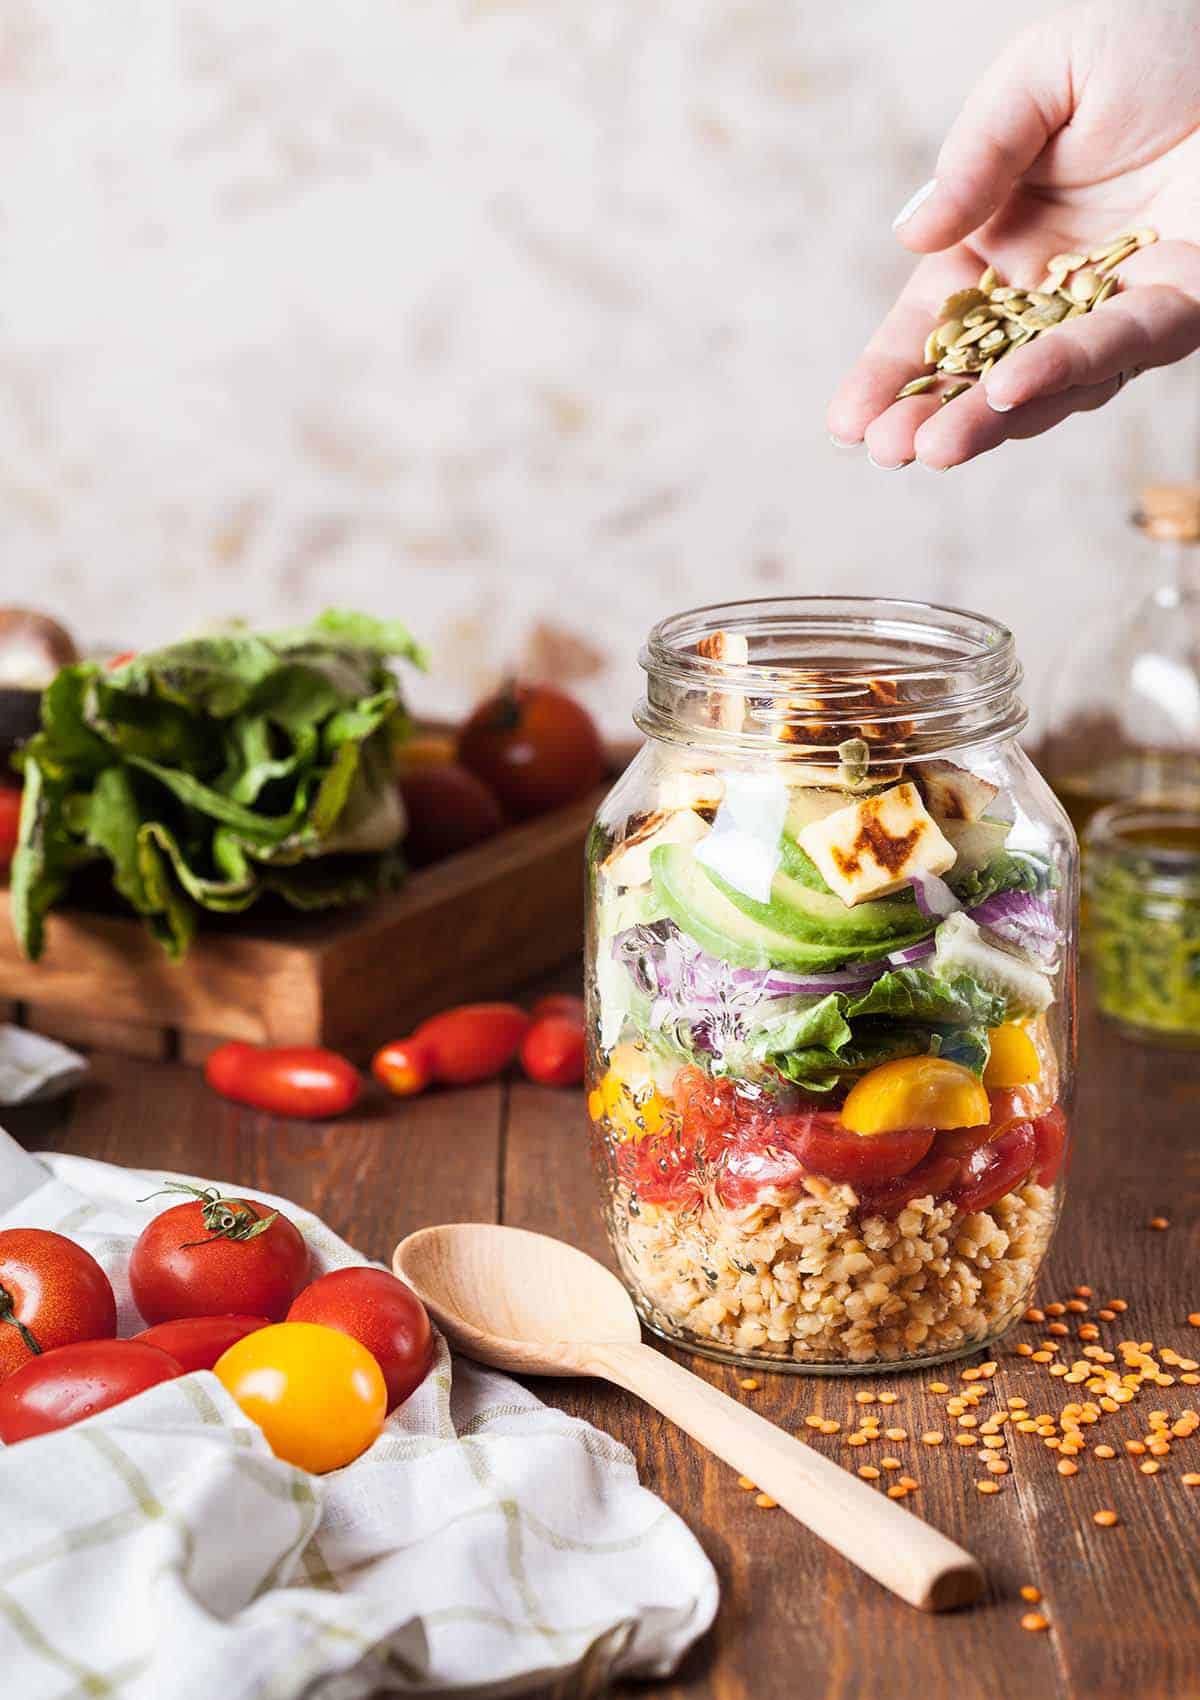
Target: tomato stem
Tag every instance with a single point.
(223, 1218)
(8, 1313)
(506, 710)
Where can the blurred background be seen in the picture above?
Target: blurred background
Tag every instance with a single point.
(516, 318)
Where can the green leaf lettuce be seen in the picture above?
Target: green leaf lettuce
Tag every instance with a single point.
(205, 775)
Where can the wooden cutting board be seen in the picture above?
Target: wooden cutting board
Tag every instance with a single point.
(468, 929)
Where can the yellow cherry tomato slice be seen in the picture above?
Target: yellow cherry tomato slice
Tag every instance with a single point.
(318, 1396)
(915, 1092)
(628, 1097)
(1014, 1060)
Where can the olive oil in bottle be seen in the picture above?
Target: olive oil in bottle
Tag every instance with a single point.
(1124, 714)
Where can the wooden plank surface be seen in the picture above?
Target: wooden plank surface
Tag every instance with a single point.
(1124, 1603)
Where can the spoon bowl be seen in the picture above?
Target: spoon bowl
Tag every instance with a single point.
(532, 1305)
(520, 1301)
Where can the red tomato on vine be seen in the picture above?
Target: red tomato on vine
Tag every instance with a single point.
(217, 1256)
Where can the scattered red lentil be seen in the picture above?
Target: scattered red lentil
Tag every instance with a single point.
(1194, 1319)
(1107, 1315)
(897, 1492)
(765, 1502)
(1024, 1350)
(1105, 1452)
(1117, 1304)
(1067, 1467)
(908, 1482)
(1056, 1309)
(888, 1398)
(1058, 1329)
(745, 1482)
(749, 1385)
(1076, 1307)
(932, 1437)
(890, 1464)
(1033, 1620)
(938, 1387)
(988, 1487)
(868, 1472)
(1030, 1593)
(1151, 1467)
(864, 1398)
(1083, 1292)
(895, 1434)
(1159, 1223)
(1190, 1479)
(1106, 1519)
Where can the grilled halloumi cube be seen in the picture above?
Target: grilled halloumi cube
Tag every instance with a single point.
(953, 793)
(629, 863)
(876, 846)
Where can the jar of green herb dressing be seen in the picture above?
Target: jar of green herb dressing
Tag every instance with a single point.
(1142, 880)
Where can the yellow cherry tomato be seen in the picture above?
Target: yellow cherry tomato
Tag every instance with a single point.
(317, 1395)
(1014, 1060)
(915, 1092)
(628, 1096)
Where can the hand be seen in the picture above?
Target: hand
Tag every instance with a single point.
(1087, 125)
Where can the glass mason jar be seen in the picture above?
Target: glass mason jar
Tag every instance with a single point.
(831, 987)
(1142, 882)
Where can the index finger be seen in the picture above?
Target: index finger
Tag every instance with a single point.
(896, 352)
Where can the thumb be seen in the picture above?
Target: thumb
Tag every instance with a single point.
(1013, 111)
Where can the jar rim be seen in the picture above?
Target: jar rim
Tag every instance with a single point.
(1112, 831)
(951, 675)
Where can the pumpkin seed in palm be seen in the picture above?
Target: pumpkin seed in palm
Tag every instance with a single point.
(980, 324)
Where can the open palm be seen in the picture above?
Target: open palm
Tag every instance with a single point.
(1087, 126)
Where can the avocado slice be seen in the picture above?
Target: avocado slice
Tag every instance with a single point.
(798, 928)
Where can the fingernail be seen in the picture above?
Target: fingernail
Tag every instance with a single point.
(998, 406)
(844, 442)
(896, 466)
(911, 205)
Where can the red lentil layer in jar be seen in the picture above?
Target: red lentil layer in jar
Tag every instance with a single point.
(831, 1005)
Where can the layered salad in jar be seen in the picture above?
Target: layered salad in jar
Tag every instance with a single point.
(825, 1093)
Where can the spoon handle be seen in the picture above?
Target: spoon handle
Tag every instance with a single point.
(896, 1548)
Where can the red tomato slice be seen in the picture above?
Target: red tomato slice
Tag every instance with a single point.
(72, 1382)
(1050, 1132)
(934, 1176)
(994, 1169)
(828, 1149)
(196, 1342)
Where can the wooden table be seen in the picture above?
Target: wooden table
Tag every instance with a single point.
(795, 1620)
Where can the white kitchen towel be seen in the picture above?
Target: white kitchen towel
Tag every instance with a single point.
(34, 1067)
(485, 1545)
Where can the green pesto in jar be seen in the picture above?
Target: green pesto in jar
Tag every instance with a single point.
(1142, 883)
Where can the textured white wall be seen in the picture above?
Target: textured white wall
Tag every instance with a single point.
(516, 317)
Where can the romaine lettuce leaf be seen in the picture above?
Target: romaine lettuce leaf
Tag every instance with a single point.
(214, 771)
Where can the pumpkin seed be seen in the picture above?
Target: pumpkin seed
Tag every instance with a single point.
(981, 324)
(1083, 286)
(917, 386)
(954, 306)
(976, 333)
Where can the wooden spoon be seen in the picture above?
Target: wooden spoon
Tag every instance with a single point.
(530, 1304)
